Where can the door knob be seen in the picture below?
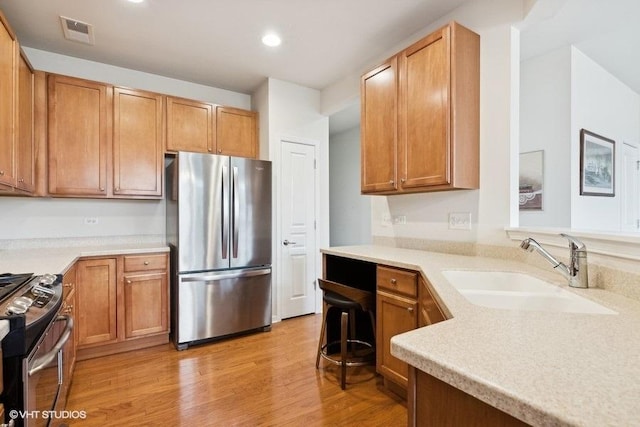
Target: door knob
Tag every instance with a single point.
(287, 243)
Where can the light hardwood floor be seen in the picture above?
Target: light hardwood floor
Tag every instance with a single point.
(263, 379)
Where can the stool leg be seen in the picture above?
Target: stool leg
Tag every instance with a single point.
(325, 309)
(373, 325)
(344, 320)
(352, 321)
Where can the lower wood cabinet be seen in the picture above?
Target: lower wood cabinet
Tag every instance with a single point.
(432, 402)
(403, 303)
(122, 303)
(396, 312)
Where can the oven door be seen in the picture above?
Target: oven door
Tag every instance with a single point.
(43, 372)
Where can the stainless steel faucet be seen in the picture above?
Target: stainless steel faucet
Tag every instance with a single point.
(576, 273)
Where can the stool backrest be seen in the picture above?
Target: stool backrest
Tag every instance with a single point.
(364, 298)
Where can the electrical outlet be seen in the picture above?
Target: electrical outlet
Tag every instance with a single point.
(386, 220)
(91, 220)
(460, 221)
(399, 219)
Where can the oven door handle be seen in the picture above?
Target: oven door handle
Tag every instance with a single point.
(41, 362)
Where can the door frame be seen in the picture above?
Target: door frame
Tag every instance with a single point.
(277, 246)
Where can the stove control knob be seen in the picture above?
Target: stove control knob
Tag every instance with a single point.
(23, 302)
(16, 309)
(47, 279)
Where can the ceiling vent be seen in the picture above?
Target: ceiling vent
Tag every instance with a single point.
(77, 31)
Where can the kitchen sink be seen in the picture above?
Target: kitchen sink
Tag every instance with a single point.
(519, 291)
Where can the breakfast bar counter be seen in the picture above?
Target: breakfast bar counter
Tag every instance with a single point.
(543, 368)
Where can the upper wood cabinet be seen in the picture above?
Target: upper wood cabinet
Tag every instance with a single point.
(190, 125)
(79, 136)
(379, 128)
(138, 159)
(104, 141)
(236, 132)
(8, 90)
(207, 128)
(420, 122)
(25, 149)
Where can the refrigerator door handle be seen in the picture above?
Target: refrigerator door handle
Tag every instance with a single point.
(223, 276)
(236, 211)
(225, 213)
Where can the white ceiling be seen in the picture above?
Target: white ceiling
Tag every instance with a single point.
(217, 42)
(607, 31)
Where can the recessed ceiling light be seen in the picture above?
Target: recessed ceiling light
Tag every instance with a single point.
(271, 40)
(136, 1)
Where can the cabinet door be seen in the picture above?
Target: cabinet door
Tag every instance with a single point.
(96, 301)
(394, 315)
(236, 132)
(145, 299)
(425, 152)
(8, 67)
(430, 312)
(378, 128)
(137, 143)
(190, 125)
(79, 134)
(25, 177)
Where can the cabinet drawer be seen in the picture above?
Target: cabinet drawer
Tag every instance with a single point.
(145, 262)
(396, 280)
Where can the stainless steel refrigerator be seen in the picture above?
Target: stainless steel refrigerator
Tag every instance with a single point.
(219, 231)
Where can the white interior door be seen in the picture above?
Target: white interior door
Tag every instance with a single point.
(630, 188)
(297, 228)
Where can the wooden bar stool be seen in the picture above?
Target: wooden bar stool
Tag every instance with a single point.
(348, 300)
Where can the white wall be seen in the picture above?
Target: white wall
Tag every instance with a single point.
(91, 70)
(294, 114)
(26, 218)
(350, 218)
(545, 116)
(603, 105)
(490, 207)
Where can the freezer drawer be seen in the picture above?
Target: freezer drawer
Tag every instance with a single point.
(215, 304)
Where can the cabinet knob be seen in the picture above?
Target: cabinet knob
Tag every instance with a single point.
(394, 281)
(402, 180)
(391, 182)
(21, 180)
(67, 285)
(128, 282)
(1, 173)
(219, 150)
(209, 150)
(146, 263)
(410, 309)
(101, 188)
(117, 189)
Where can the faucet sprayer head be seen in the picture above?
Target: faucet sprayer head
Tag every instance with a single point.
(526, 244)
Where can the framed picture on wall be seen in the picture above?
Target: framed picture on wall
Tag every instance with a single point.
(597, 165)
(531, 180)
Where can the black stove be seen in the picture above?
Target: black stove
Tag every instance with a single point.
(9, 282)
(29, 302)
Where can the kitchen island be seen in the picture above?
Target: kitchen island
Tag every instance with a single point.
(542, 368)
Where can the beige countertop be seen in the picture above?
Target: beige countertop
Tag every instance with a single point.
(57, 260)
(544, 368)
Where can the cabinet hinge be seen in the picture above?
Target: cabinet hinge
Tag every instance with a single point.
(638, 165)
(314, 224)
(638, 224)
(314, 164)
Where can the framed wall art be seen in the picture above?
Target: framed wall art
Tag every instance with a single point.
(531, 180)
(597, 165)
